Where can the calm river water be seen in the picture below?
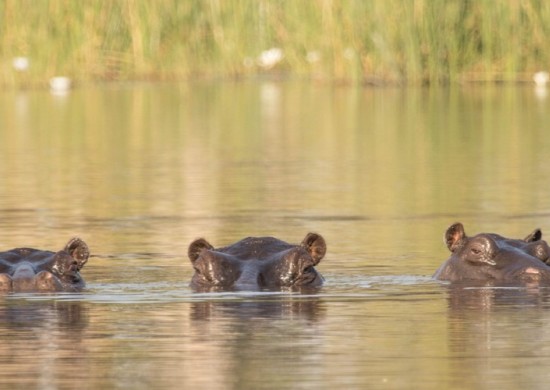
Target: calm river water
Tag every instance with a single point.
(139, 171)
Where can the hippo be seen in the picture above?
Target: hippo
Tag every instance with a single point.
(30, 270)
(489, 257)
(257, 262)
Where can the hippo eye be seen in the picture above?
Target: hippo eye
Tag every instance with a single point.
(475, 251)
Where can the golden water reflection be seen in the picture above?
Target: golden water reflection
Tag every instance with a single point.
(139, 171)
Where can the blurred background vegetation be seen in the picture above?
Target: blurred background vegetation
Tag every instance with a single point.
(355, 41)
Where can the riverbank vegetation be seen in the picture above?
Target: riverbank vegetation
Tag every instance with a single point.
(355, 41)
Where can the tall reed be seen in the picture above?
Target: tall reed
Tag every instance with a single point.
(398, 41)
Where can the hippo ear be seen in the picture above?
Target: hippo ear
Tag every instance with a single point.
(78, 250)
(536, 235)
(316, 246)
(454, 236)
(196, 247)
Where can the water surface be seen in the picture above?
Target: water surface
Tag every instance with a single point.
(139, 171)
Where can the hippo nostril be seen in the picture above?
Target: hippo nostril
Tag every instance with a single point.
(532, 271)
(531, 274)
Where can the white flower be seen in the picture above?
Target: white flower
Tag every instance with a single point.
(269, 58)
(20, 64)
(313, 56)
(541, 78)
(60, 84)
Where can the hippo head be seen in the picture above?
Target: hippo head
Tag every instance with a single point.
(490, 257)
(533, 245)
(260, 262)
(27, 269)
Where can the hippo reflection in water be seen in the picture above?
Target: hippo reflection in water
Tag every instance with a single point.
(257, 262)
(26, 269)
(490, 257)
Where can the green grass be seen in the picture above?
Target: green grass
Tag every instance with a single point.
(356, 41)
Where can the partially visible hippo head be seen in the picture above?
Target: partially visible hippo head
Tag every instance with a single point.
(491, 257)
(257, 262)
(26, 269)
(533, 245)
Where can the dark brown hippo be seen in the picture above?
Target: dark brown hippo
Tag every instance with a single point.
(257, 262)
(533, 245)
(26, 269)
(489, 257)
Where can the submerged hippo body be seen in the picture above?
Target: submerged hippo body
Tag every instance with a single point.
(489, 257)
(26, 269)
(257, 262)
